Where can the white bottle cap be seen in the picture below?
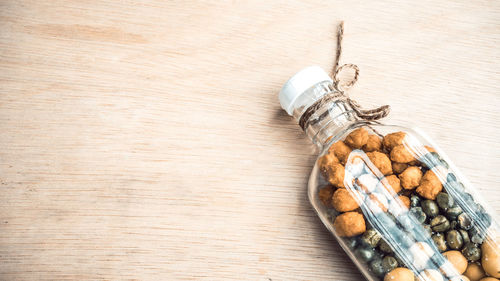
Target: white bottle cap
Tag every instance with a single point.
(299, 83)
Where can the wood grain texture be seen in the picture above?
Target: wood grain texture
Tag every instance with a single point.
(144, 140)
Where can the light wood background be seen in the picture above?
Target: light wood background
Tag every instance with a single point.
(144, 140)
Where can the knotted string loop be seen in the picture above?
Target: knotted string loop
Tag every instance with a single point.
(338, 90)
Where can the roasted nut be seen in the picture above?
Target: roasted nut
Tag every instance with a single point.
(381, 161)
(474, 272)
(374, 143)
(440, 242)
(389, 263)
(430, 186)
(391, 140)
(440, 224)
(453, 212)
(349, 224)
(335, 175)
(476, 236)
(400, 274)
(472, 253)
(464, 221)
(465, 236)
(410, 178)
(365, 254)
(419, 214)
(398, 168)
(326, 161)
(376, 267)
(457, 260)
(371, 238)
(405, 200)
(384, 247)
(325, 195)
(357, 138)
(394, 184)
(454, 239)
(401, 154)
(430, 208)
(444, 201)
(491, 257)
(340, 150)
(344, 201)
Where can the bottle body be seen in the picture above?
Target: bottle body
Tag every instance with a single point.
(394, 201)
(398, 207)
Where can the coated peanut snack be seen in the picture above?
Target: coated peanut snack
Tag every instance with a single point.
(386, 196)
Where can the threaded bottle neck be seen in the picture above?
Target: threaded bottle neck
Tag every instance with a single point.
(332, 118)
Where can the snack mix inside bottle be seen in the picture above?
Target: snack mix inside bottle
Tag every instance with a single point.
(393, 200)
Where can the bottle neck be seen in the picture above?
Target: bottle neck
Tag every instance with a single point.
(329, 120)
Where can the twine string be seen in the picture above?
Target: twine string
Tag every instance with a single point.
(338, 90)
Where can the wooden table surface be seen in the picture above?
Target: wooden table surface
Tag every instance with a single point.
(145, 140)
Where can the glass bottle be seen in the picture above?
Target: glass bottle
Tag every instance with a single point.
(393, 200)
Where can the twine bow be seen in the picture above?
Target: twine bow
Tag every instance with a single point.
(338, 90)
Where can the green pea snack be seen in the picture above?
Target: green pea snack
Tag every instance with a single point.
(393, 200)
